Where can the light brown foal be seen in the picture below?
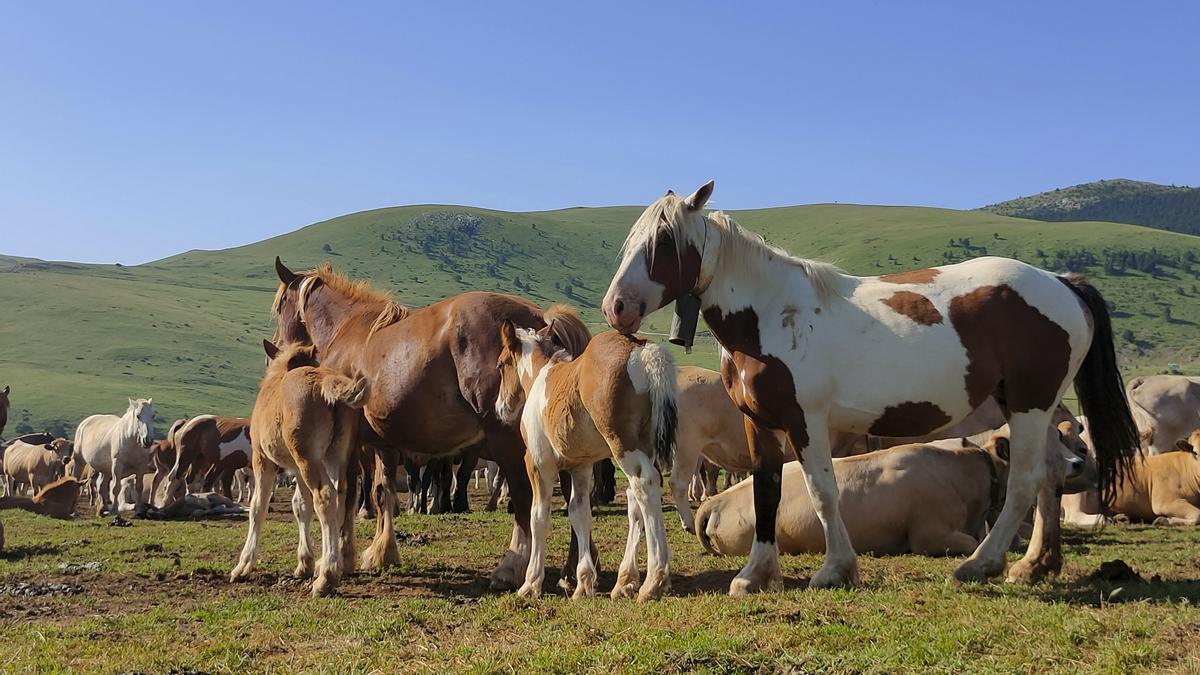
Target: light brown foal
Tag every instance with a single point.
(616, 399)
(305, 419)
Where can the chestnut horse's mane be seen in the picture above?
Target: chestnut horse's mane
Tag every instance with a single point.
(357, 291)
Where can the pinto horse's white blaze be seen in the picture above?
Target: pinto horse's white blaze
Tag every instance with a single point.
(807, 349)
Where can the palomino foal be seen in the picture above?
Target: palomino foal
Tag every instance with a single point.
(807, 350)
(306, 420)
(616, 399)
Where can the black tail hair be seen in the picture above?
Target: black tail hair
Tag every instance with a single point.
(1102, 395)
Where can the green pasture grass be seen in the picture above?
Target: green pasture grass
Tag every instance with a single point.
(161, 602)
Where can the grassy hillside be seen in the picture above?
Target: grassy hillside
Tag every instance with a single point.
(1166, 207)
(78, 339)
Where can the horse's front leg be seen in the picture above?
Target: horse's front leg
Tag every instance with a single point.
(762, 572)
(841, 563)
(541, 475)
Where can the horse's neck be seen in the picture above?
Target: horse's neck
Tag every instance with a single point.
(758, 283)
(331, 321)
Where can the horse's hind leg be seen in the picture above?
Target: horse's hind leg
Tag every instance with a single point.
(1044, 555)
(302, 510)
(628, 577)
(264, 477)
(325, 501)
(683, 476)
(1026, 471)
(580, 513)
(644, 483)
(383, 550)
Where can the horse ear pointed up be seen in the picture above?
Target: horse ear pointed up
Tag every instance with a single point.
(699, 198)
(270, 348)
(6, 390)
(508, 336)
(285, 275)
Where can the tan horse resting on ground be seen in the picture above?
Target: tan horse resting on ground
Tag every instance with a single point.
(305, 419)
(616, 399)
(924, 498)
(1163, 489)
(56, 500)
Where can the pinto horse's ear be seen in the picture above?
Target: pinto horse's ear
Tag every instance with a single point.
(699, 198)
(271, 350)
(508, 336)
(285, 275)
(6, 390)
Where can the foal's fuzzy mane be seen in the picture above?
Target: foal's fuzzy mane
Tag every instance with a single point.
(738, 245)
(357, 291)
(545, 345)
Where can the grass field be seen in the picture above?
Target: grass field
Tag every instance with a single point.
(161, 602)
(79, 339)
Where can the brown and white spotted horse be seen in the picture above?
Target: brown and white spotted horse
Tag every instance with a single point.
(807, 349)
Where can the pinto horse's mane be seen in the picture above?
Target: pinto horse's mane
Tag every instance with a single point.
(739, 246)
(357, 292)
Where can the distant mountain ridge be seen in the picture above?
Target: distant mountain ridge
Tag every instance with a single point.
(1164, 207)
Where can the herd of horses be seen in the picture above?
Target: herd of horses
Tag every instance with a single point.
(812, 359)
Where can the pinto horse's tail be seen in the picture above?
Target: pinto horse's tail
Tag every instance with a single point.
(655, 367)
(1102, 395)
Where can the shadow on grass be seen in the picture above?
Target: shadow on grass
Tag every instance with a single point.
(22, 551)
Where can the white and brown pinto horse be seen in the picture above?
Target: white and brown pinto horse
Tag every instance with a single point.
(208, 447)
(807, 349)
(116, 447)
(617, 399)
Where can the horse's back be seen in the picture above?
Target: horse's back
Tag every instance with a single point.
(434, 375)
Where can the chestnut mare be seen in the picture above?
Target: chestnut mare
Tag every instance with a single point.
(433, 380)
(808, 349)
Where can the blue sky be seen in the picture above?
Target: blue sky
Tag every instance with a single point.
(134, 130)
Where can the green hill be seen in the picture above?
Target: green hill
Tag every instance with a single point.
(78, 339)
(1166, 207)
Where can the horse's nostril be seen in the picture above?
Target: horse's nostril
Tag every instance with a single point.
(619, 307)
(642, 309)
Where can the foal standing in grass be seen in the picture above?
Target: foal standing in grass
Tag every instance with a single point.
(616, 399)
(305, 419)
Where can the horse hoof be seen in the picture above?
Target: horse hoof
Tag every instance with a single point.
(303, 571)
(648, 594)
(623, 591)
(529, 591)
(975, 572)
(834, 578)
(323, 587)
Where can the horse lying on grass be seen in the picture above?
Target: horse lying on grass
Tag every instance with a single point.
(925, 498)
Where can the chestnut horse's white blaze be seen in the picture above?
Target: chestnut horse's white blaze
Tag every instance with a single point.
(807, 349)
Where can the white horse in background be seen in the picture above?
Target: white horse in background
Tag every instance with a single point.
(116, 447)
